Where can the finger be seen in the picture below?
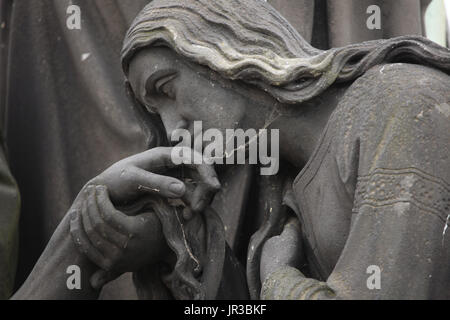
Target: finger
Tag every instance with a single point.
(167, 157)
(154, 160)
(106, 248)
(116, 219)
(208, 183)
(102, 277)
(151, 183)
(82, 242)
(100, 227)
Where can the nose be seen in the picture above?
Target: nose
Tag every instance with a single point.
(182, 124)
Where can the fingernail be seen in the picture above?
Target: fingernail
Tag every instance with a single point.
(177, 188)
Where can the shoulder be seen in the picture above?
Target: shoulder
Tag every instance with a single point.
(403, 96)
(399, 115)
(399, 85)
(396, 73)
(396, 92)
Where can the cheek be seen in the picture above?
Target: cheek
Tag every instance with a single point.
(216, 107)
(225, 116)
(170, 118)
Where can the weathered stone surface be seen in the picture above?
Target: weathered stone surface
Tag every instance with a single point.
(363, 181)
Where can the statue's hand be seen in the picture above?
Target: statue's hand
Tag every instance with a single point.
(115, 242)
(118, 243)
(282, 250)
(142, 174)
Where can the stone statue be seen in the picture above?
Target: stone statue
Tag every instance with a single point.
(364, 170)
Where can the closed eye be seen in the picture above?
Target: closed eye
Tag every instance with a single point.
(154, 83)
(156, 86)
(161, 85)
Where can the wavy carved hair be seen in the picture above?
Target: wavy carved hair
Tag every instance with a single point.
(250, 41)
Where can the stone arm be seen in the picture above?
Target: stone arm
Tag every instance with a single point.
(49, 277)
(398, 248)
(105, 242)
(399, 234)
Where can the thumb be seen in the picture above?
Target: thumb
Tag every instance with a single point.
(102, 277)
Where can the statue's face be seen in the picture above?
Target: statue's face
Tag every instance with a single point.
(182, 93)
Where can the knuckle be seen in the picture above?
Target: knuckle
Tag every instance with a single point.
(88, 185)
(125, 172)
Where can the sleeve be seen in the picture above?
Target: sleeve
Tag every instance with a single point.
(399, 243)
(9, 220)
